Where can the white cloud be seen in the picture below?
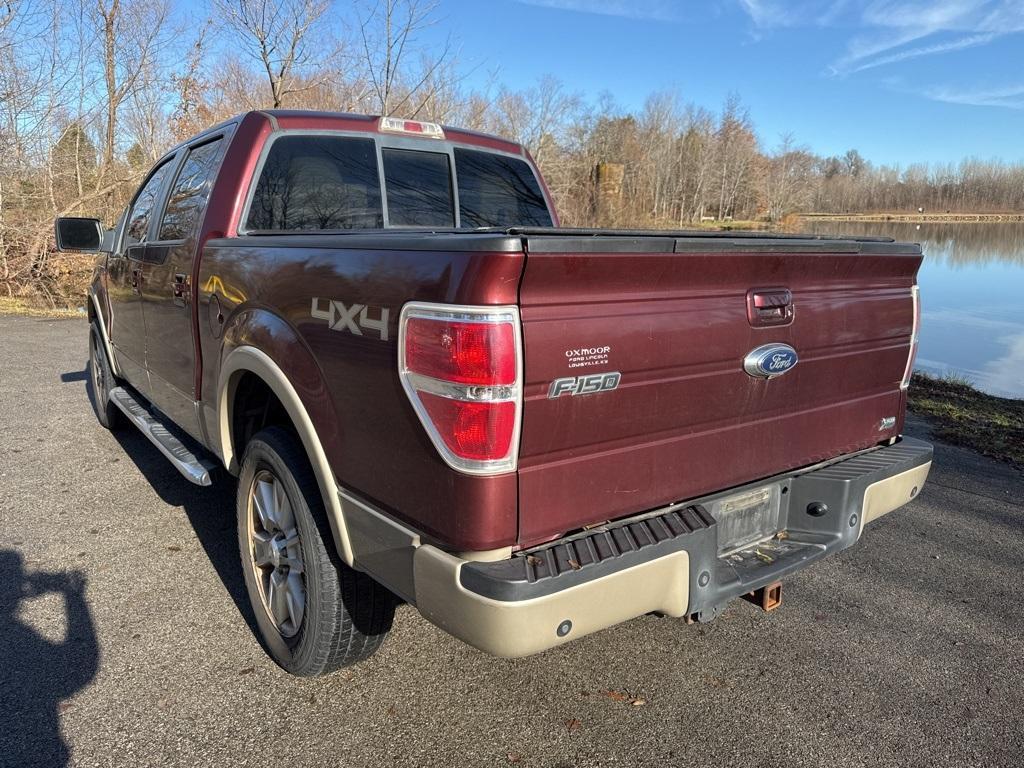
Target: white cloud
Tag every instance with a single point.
(1009, 97)
(959, 44)
(767, 14)
(892, 31)
(657, 10)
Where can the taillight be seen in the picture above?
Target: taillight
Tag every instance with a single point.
(459, 351)
(462, 370)
(915, 293)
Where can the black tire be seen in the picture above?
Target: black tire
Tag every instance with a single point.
(102, 378)
(346, 613)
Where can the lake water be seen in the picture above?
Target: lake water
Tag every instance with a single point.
(972, 298)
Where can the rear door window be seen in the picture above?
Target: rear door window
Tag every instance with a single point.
(142, 208)
(317, 182)
(419, 188)
(498, 191)
(191, 190)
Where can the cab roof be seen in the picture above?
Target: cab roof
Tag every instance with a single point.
(300, 119)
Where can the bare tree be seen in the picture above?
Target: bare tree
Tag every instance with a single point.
(539, 116)
(788, 179)
(389, 34)
(284, 36)
(737, 151)
(133, 38)
(191, 86)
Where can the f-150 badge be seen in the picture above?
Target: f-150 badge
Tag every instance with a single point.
(585, 385)
(770, 360)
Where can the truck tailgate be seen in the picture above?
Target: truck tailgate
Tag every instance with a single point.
(670, 314)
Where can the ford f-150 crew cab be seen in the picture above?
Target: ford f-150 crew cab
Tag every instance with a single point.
(430, 392)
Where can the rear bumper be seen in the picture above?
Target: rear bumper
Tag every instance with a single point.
(665, 561)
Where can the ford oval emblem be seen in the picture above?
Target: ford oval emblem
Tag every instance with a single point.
(770, 360)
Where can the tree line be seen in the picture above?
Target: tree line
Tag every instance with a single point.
(92, 92)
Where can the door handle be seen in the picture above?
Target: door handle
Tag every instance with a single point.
(179, 289)
(136, 279)
(769, 306)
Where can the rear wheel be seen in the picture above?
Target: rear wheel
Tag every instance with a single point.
(315, 614)
(102, 379)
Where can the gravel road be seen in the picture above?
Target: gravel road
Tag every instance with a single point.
(125, 637)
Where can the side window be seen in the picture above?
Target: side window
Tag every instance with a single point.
(190, 192)
(142, 208)
(419, 189)
(317, 182)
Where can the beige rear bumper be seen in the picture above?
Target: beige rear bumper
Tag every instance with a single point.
(883, 497)
(525, 627)
(508, 612)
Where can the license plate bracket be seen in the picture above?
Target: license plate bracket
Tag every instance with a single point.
(747, 517)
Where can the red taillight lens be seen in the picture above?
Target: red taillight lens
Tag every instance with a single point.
(461, 352)
(462, 370)
(474, 431)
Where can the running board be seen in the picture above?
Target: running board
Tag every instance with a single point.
(195, 469)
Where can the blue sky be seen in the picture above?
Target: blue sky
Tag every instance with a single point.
(900, 81)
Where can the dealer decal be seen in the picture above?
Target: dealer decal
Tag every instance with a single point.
(587, 356)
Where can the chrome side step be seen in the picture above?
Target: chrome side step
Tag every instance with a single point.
(194, 468)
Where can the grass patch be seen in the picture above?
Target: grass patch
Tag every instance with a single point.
(18, 305)
(726, 226)
(962, 415)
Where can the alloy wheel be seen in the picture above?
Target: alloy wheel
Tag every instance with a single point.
(276, 553)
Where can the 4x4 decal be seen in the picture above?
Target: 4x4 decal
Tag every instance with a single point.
(341, 317)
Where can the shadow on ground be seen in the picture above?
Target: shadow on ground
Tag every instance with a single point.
(37, 672)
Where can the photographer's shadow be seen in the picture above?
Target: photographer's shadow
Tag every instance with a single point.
(37, 673)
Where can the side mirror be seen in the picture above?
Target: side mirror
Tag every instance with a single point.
(78, 234)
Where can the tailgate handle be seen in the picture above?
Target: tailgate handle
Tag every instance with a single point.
(769, 306)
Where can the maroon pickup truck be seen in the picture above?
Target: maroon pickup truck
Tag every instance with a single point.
(429, 392)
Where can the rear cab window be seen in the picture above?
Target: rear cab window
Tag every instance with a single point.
(419, 188)
(498, 191)
(319, 181)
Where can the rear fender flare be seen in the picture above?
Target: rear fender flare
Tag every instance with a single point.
(249, 359)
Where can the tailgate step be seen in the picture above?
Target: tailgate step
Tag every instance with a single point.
(196, 469)
(590, 554)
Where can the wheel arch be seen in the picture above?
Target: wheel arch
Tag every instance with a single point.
(249, 360)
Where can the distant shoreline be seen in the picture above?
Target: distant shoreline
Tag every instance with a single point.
(916, 218)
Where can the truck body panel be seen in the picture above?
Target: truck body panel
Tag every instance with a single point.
(656, 377)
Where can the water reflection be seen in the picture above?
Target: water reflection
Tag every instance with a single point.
(972, 282)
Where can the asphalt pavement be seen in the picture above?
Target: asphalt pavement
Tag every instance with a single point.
(125, 636)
